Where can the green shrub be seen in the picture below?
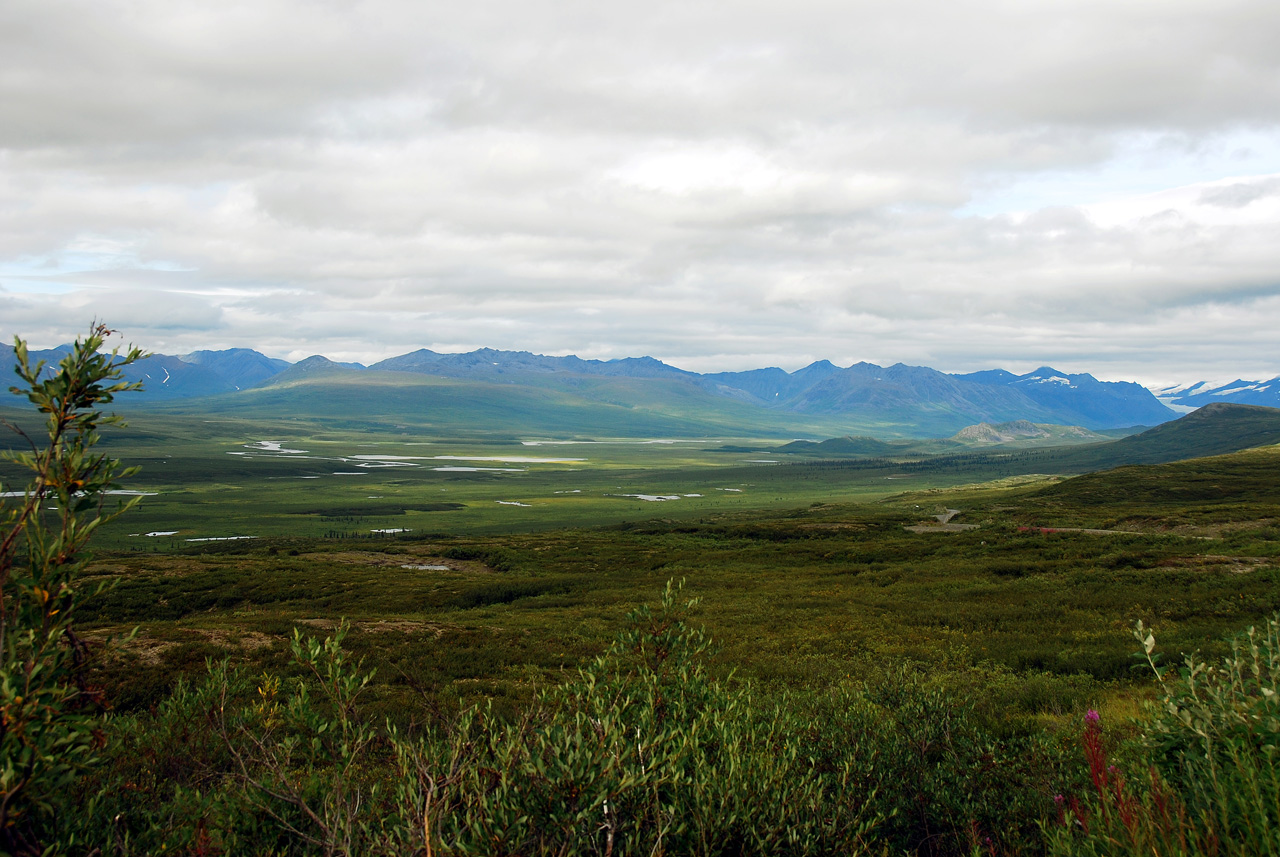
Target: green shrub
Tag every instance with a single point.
(645, 753)
(1210, 783)
(950, 784)
(242, 765)
(49, 731)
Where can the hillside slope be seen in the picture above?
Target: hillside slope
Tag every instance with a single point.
(319, 389)
(1211, 431)
(1215, 429)
(1249, 476)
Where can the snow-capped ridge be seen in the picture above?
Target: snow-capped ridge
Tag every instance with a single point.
(1239, 391)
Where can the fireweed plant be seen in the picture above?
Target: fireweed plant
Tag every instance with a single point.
(1208, 782)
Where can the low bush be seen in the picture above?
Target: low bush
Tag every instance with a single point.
(642, 752)
(49, 728)
(1205, 778)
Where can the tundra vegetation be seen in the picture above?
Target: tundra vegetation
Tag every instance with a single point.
(786, 673)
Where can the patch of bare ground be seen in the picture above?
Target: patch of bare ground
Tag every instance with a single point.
(1200, 529)
(149, 650)
(251, 640)
(164, 566)
(1219, 530)
(1186, 532)
(1088, 531)
(1213, 562)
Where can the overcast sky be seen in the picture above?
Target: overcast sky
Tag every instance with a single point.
(1092, 184)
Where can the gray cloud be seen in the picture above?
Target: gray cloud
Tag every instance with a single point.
(720, 187)
(1241, 194)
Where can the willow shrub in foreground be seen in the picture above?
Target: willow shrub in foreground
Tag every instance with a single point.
(642, 753)
(49, 731)
(1212, 746)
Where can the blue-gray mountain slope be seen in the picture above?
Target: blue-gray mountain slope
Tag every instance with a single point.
(896, 400)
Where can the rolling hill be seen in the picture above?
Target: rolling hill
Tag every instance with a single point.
(1024, 433)
(1214, 430)
(1250, 477)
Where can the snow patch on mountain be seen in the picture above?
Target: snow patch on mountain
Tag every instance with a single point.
(1188, 397)
(1056, 379)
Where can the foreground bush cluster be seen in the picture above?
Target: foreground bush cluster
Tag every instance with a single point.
(642, 752)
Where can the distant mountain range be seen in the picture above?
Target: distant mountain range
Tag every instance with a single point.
(201, 373)
(895, 400)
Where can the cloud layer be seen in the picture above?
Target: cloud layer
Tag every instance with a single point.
(966, 185)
